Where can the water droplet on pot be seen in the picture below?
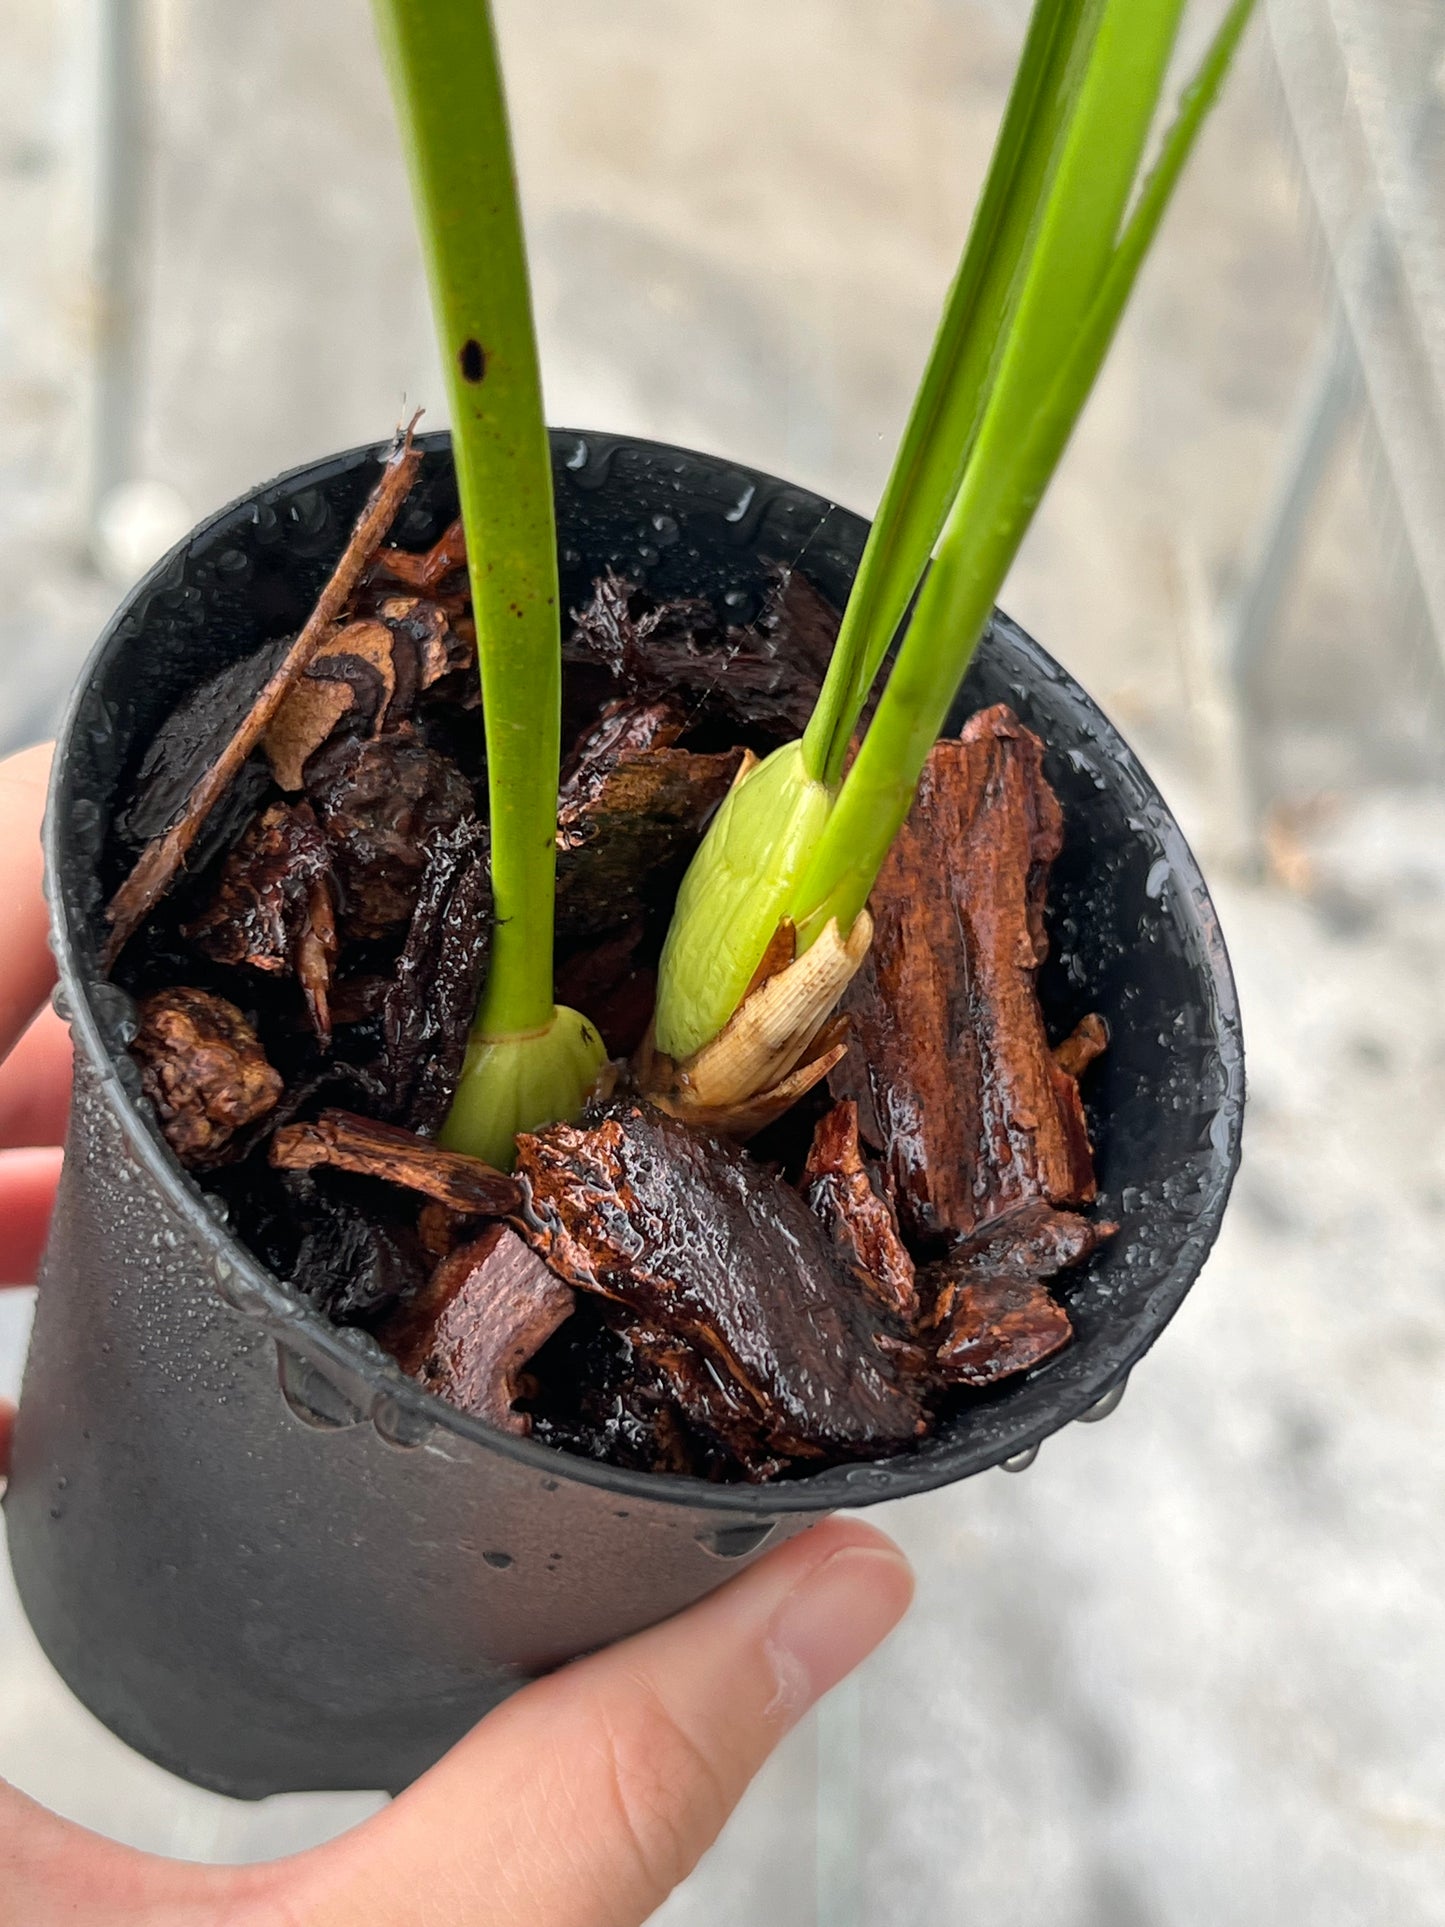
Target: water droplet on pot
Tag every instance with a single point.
(101, 726)
(238, 1291)
(114, 1013)
(501, 1560)
(577, 456)
(85, 824)
(310, 1396)
(666, 530)
(594, 470)
(1021, 1461)
(398, 1424)
(60, 1004)
(1109, 1403)
(1159, 875)
(308, 511)
(736, 1541)
(741, 506)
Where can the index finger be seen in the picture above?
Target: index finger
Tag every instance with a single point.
(27, 969)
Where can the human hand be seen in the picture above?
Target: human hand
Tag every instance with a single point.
(582, 1801)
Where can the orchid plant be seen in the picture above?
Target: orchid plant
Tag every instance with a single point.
(1062, 228)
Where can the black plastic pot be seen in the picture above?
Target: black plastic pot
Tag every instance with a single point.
(260, 1554)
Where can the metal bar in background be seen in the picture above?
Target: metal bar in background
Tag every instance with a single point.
(1331, 71)
(123, 146)
(1392, 130)
(1328, 401)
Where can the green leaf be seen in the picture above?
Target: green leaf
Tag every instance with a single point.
(1027, 427)
(930, 461)
(447, 86)
(736, 891)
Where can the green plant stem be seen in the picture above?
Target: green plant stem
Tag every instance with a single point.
(1017, 449)
(448, 89)
(929, 465)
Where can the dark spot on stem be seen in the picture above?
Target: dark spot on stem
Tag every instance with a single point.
(473, 360)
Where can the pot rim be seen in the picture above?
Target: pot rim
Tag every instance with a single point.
(404, 1411)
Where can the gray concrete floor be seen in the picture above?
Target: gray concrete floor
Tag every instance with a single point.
(1187, 1669)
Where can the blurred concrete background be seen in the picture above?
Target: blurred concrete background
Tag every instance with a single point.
(1187, 1670)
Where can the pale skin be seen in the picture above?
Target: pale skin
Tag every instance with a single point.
(582, 1801)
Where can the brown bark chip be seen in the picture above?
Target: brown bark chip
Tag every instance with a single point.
(950, 1065)
(274, 907)
(631, 811)
(999, 1328)
(203, 1068)
(725, 1283)
(342, 1141)
(469, 1333)
(840, 1192)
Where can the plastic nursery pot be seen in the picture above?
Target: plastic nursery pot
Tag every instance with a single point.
(257, 1551)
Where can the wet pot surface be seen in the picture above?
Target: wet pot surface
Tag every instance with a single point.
(254, 1548)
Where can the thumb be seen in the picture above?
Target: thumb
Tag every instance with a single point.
(585, 1799)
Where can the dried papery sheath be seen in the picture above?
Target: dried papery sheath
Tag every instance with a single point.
(778, 1043)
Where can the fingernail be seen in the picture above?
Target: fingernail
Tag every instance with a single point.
(833, 1620)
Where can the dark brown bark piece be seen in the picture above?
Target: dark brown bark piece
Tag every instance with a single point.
(342, 1141)
(999, 1327)
(597, 1395)
(427, 570)
(637, 639)
(162, 859)
(1031, 1242)
(326, 1236)
(274, 908)
(203, 1068)
(433, 997)
(349, 1266)
(485, 1313)
(1087, 1040)
(766, 675)
(359, 999)
(950, 1065)
(784, 656)
(840, 1193)
(624, 728)
(381, 804)
(725, 1282)
(186, 745)
(365, 679)
(352, 678)
(631, 811)
(617, 993)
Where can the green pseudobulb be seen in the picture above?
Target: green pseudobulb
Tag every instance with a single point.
(520, 1083)
(739, 888)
